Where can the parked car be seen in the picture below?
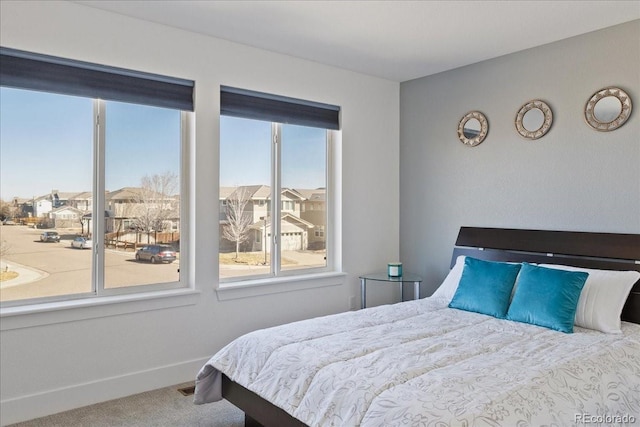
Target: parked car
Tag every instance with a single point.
(8, 222)
(50, 236)
(81, 243)
(156, 253)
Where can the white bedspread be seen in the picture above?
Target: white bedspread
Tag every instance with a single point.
(420, 363)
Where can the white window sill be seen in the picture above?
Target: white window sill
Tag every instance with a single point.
(27, 316)
(251, 288)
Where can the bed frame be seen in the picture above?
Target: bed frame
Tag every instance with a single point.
(607, 251)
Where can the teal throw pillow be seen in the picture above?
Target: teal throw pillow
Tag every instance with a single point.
(485, 287)
(547, 297)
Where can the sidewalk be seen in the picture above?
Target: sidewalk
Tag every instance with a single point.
(25, 274)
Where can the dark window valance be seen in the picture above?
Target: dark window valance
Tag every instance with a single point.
(32, 71)
(273, 108)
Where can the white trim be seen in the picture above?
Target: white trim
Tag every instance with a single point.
(99, 202)
(49, 402)
(26, 316)
(333, 200)
(276, 199)
(185, 227)
(258, 287)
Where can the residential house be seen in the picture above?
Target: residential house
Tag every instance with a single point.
(66, 217)
(257, 199)
(82, 201)
(42, 205)
(22, 207)
(296, 231)
(314, 210)
(59, 198)
(45, 204)
(140, 208)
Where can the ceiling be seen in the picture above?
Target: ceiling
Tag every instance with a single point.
(394, 40)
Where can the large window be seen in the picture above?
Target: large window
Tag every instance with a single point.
(274, 185)
(90, 188)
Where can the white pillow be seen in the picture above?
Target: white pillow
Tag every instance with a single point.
(450, 284)
(602, 297)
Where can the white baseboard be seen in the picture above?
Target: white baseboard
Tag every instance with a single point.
(50, 402)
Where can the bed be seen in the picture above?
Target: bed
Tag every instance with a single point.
(425, 363)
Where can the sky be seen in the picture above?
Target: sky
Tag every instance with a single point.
(46, 143)
(245, 154)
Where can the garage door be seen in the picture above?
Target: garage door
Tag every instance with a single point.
(291, 241)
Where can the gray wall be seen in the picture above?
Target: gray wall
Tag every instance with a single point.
(573, 178)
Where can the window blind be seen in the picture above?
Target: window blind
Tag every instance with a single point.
(274, 108)
(32, 71)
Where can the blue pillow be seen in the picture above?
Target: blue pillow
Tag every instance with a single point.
(547, 297)
(485, 287)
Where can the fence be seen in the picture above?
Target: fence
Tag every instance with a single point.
(31, 220)
(135, 239)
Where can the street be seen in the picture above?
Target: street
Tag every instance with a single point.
(59, 269)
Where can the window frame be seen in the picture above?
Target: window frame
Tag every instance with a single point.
(31, 312)
(276, 201)
(100, 206)
(97, 266)
(279, 110)
(42, 73)
(276, 273)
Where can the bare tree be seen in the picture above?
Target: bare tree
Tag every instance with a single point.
(155, 201)
(7, 210)
(238, 220)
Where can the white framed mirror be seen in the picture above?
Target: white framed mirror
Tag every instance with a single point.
(473, 128)
(534, 119)
(608, 109)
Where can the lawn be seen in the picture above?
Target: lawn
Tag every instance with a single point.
(248, 258)
(7, 275)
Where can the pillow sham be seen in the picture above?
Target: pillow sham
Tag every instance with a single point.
(547, 297)
(450, 284)
(602, 298)
(485, 287)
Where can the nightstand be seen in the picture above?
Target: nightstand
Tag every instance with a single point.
(384, 277)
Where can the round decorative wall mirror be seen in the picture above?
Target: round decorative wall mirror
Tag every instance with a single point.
(608, 109)
(534, 119)
(473, 128)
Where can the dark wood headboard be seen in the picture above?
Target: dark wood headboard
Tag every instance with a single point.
(606, 251)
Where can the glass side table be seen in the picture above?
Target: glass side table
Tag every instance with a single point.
(384, 277)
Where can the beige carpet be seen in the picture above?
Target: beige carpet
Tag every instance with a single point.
(163, 407)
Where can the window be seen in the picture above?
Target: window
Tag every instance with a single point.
(113, 138)
(268, 171)
(142, 167)
(287, 205)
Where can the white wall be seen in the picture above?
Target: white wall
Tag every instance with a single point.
(50, 368)
(573, 178)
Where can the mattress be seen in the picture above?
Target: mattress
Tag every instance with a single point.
(421, 363)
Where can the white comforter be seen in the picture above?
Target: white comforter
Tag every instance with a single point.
(420, 363)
